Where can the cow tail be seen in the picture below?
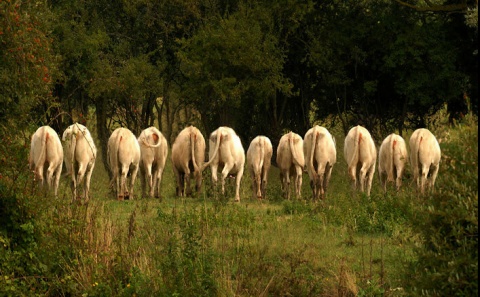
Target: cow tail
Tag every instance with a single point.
(356, 145)
(417, 155)
(43, 149)
(215, 152)
(145, 142)
(392, 157)
(261, 144)
(73, 138)
(312, 152)
(193, 138)
(113, 157)
(292, 149)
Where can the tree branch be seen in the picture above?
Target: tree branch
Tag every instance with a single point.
(459, 7)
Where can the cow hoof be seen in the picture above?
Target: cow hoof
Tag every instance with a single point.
(120, 198)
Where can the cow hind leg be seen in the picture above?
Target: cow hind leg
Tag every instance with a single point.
(370, 173)
(254, 186)
(214, 169)
(352, 173)
(433, 177)
(263, 187)
(326, 180)
(258, 182)
(188, 189)
(88, 177)
(80, 176)
(121, 187)
(287, 185)
(123, 192)
(398, 179)
(297, 174)
(39, 176)
(157, 185)
(58, 174)
(238, 180)
(363, 177)
(225, 171)
(132, 182)
(50, 176)
(149, 179)
(321, 186)
(181, 184)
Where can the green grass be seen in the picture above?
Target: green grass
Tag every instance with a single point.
(349, 245)
(272, 247)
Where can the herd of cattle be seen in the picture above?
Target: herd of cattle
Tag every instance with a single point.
(316, 153)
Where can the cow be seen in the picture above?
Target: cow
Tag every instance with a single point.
(123, 158)
(290, 160)
(46, 157)
(320, 156)
(226, 151)
(361, 156)
(425, 158)
(259, 159)
(188, 155)
(392, 158)
(154, 153)
(79, 157)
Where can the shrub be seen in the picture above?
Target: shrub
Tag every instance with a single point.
(447, 261)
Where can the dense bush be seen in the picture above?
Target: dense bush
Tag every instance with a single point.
(447, 262)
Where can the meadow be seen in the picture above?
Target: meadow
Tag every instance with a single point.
(347, 245)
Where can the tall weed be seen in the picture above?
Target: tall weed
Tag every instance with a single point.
(447, 261)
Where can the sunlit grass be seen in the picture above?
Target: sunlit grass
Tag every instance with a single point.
(348, 244)
(294, 241)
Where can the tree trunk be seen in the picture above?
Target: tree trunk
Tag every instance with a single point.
(103, 133)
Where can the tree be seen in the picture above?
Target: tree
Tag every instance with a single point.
(230, 61)
(382, 65)
(28, 64)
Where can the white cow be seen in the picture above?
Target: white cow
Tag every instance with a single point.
(320, 156)
(80, 155)
(188, 155)
(154, 152)
(226, 151)
(290, 161)
(392, 157)
(259, 159)
(425, 157)
(46, 157)
(361, 155)
(124, 157)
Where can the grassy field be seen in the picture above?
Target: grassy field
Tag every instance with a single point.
(348, 245)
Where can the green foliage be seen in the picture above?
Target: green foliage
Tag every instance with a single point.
(28, 63)
(263, 67)
(230, 58)
(20, 264)
(188, 263)
(447, 261)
